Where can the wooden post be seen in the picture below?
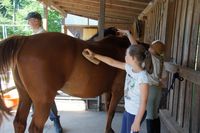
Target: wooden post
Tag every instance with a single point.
(101, 19)
(63, 26)
(101, 35)
(45, 18)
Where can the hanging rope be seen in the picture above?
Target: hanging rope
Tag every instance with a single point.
(166, 90)
(175, 76)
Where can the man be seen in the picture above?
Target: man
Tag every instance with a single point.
(35, 22)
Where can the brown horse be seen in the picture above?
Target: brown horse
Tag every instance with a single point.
(48, 62)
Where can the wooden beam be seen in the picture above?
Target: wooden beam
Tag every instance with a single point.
(113, 5)
(143, 2)
(95, 14)
(96, 9)
(170, 67)
(185, 72)
(108, 21)
(124, 2)
(53, 6)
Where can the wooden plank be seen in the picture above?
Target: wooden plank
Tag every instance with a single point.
(81, 11)
(190, 75)
(137, 3)
(95, 15)
(171, 97)
(188, 106)
(176, 43)
(195, 110)
(156, 18)
(169, 122)
(170, 67)
(169, 28)
(53, 6)
(195, 38)
(162, 11)
(83, 4)
(159, 20)
(182, 35)
(188, 60)
(121, 26)
(185, 72)
(188, 30)
(90, 8)
(174, 31)
(168, 96)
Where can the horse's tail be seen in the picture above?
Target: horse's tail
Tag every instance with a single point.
(9, 49)
(4, 111)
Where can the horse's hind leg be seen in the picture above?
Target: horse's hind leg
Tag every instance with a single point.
(23, 106)
(41, 113)
(117, 93)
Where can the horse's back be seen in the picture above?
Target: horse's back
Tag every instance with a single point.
(58, 60)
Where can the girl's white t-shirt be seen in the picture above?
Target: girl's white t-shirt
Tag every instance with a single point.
(132, 89)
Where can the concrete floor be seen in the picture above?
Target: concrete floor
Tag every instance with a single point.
(74, 119)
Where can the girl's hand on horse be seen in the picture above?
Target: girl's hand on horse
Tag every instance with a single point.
(89, 53)
(123, 32)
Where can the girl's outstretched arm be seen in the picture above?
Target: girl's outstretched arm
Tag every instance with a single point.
(110, 61)
(131, 38)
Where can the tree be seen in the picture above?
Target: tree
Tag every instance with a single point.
(13, 12)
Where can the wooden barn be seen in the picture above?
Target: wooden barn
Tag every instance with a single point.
(174, 22)
(177, 24)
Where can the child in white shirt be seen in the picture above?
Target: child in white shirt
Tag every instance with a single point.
(136, 84)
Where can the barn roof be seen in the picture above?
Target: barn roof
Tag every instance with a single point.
(117, 12)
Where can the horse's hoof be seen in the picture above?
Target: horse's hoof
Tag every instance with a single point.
(110, 131)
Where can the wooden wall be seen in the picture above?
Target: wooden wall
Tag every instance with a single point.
(177, 24)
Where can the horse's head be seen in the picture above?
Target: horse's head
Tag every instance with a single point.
(112, 46)
(107, 32)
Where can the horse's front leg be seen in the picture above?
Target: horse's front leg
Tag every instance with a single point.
(111, 112)
(116, 93)
(41, 113)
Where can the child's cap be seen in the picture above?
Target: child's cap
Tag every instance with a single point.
(159, 47)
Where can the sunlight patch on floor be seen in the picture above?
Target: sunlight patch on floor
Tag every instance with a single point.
(70, 105)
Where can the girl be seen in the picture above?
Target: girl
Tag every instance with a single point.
(136, 84)
(156, 79)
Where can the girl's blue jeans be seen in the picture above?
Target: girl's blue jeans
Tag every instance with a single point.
(127, 122)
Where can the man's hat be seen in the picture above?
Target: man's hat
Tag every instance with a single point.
(35, 15)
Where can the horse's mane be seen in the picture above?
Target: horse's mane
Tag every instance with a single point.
(107, 32)
(121, 42)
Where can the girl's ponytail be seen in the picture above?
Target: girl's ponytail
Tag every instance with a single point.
(142, 55)
(148, 62)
